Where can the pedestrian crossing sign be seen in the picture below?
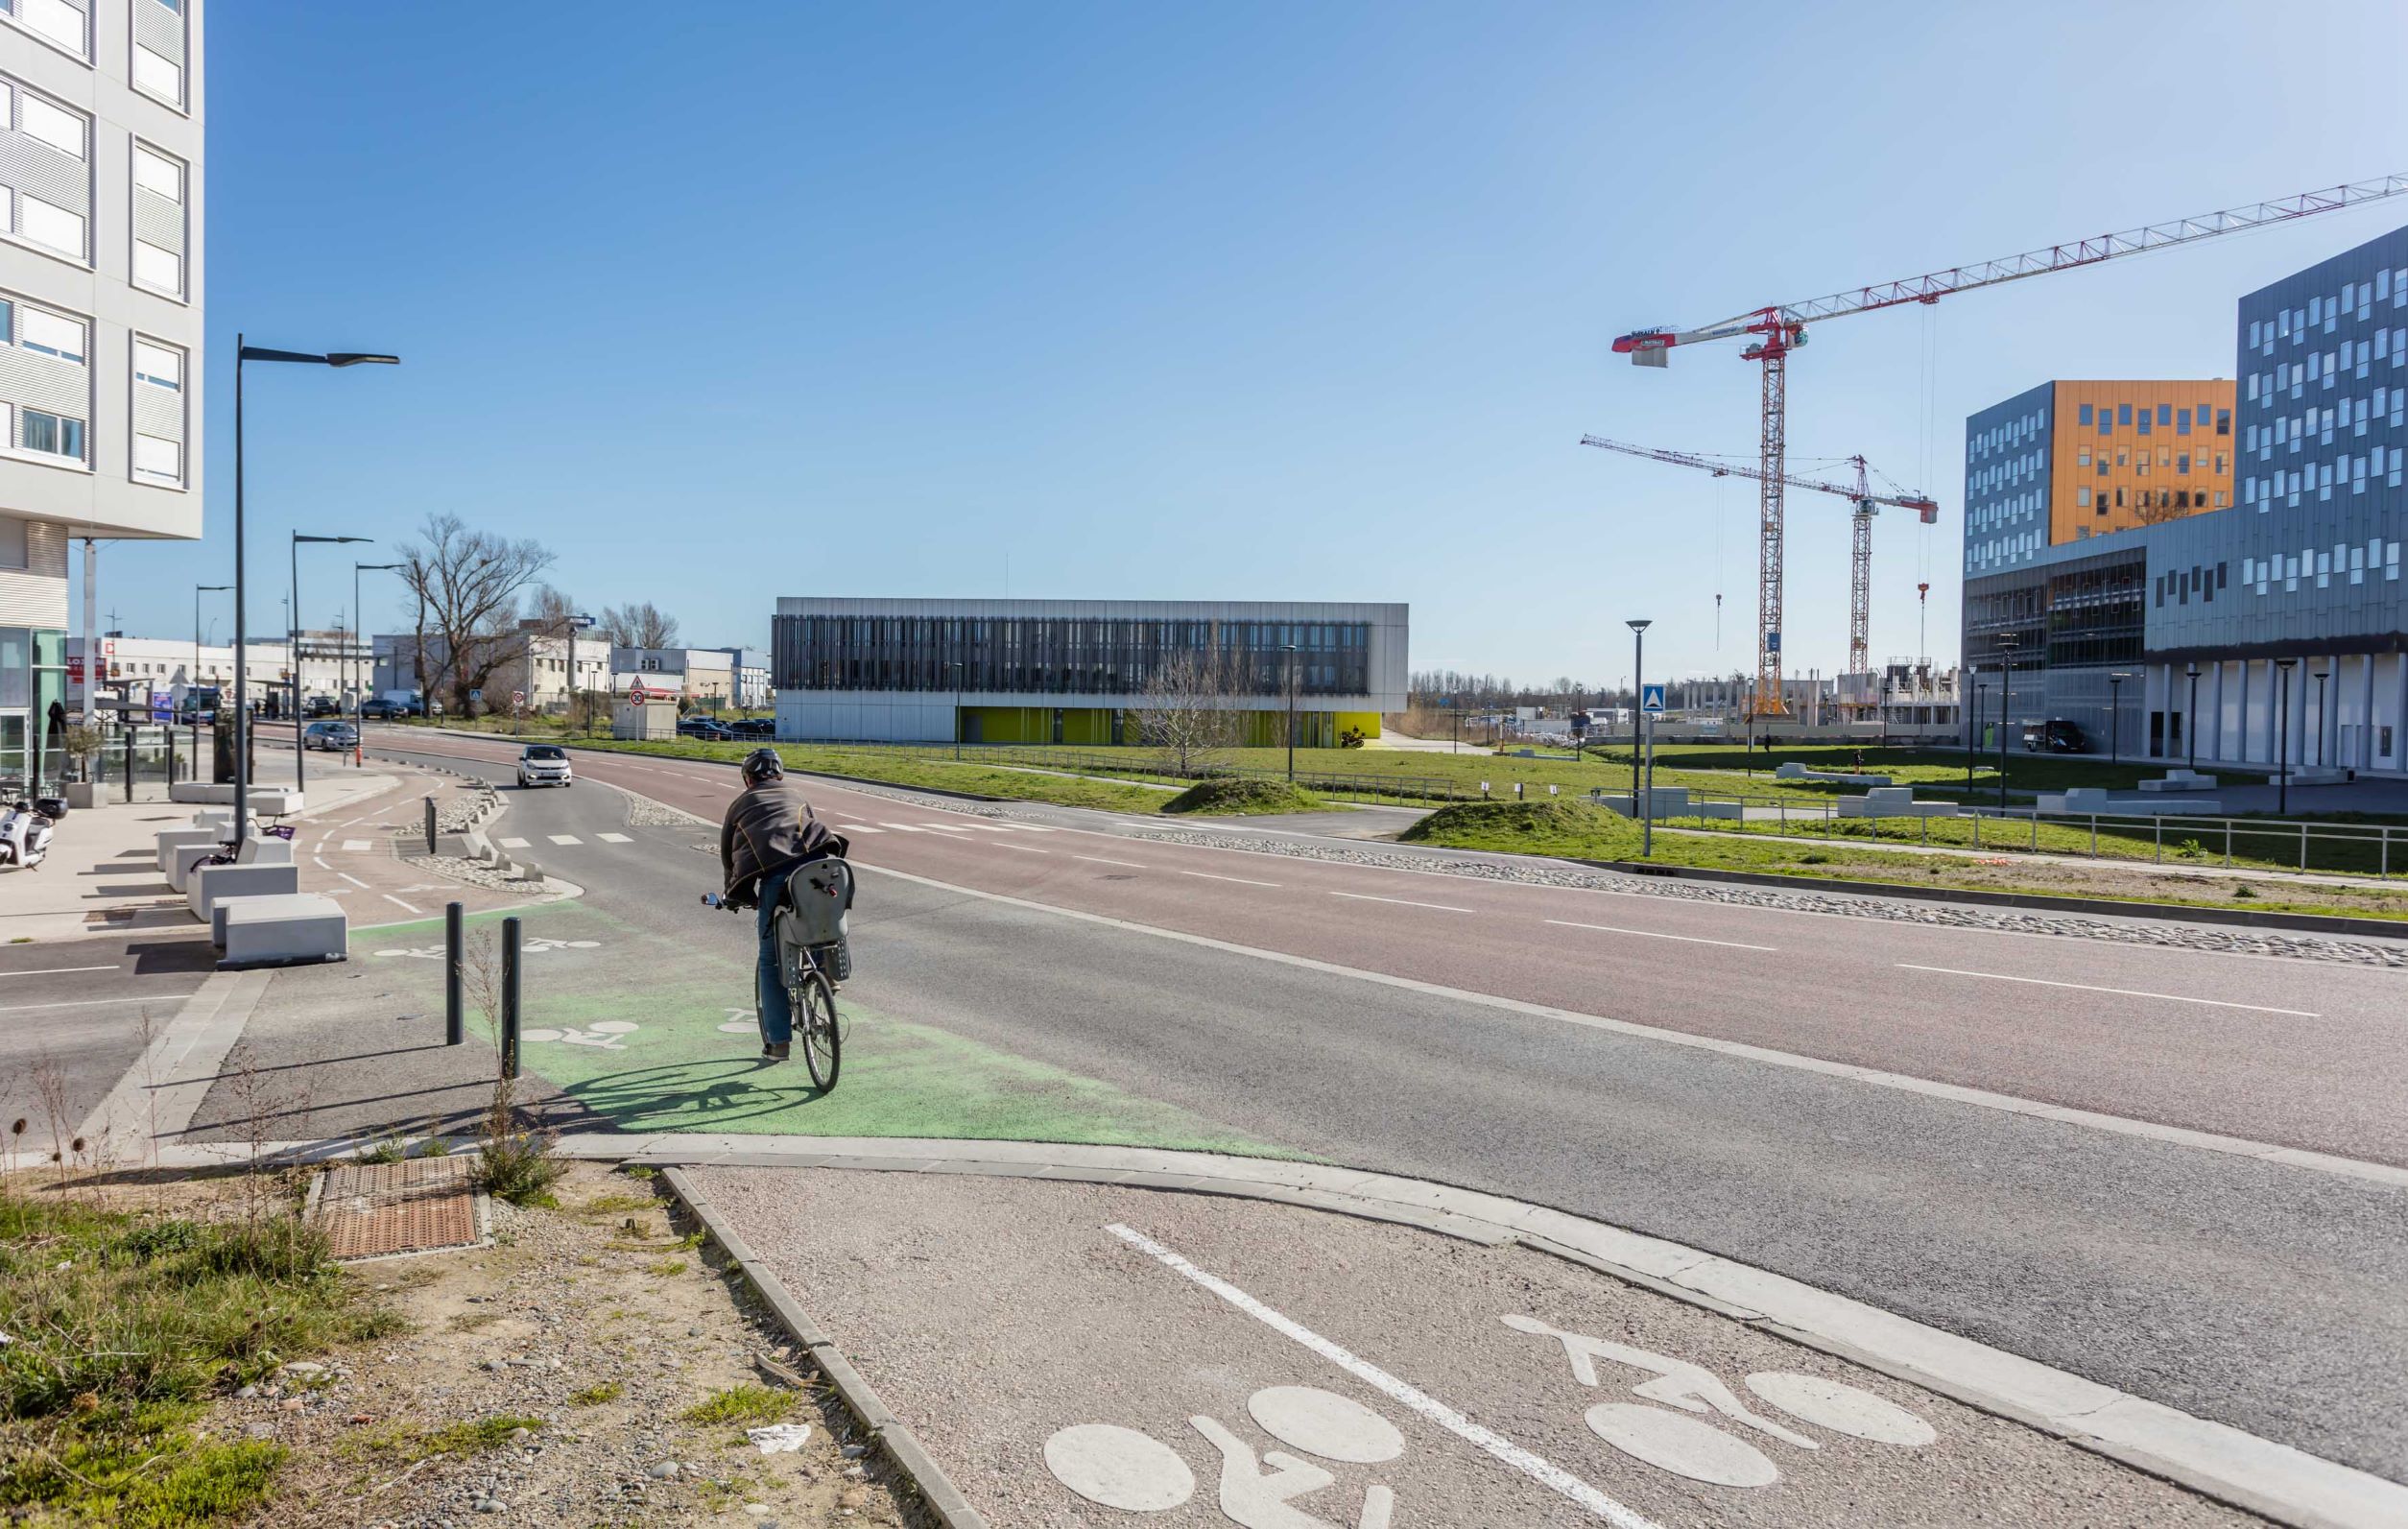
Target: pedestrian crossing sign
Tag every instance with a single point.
(1652, 699)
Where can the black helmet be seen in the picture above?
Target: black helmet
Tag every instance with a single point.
(763, 764)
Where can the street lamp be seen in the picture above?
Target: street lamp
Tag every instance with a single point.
(242, 722)
(1973, 732)
(2116, 716)
(294, 637)
(2282, 736)
(2321, 675)
(2007, 643)
(955, 664)
(2190, 721)
(1289, 648)
(1638, 626)
(359, 689)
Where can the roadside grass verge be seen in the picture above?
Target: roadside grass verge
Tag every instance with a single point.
(1233, 797)
(121, 1325)
(743, 1407)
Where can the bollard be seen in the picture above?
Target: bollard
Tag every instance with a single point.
(430, 825)
(510, 997)
(454, 945)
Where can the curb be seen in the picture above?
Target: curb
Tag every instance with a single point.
(901, 1446)
(480, 847)
(2105, 907)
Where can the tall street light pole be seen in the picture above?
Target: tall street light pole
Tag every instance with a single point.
(2007, 643)
(1973, 733)
(1638, 626)
(2282, 736)
(955, 664)
(2190, 721)
(2321, 675)
(294, 637)
(1290, 649)
(2115, 717)
(242, 721)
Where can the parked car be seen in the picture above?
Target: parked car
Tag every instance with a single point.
(705, 728)
(2054, 736)
(323, 706)
(336, 737)
(381, 709)
(753, 728)
(544, 764)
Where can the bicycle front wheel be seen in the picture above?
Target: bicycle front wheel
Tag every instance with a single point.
(814, 1027)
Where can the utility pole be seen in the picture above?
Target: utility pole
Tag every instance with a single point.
(2008, 642)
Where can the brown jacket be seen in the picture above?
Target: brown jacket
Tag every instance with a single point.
(769, 828)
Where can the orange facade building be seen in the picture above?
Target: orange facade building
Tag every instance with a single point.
(2137, 454)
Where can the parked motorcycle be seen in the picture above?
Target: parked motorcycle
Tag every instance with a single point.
(25, 830)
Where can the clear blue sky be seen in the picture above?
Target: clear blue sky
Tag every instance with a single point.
(1240, 300)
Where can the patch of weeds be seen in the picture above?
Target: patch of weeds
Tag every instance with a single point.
(615, 1204)
(431, 1146)
(2245, 890)
(367, 1323)
(639, 1171)
(471, 1321)
(385, 1148)
(748, 1405)
(692, 1241)
(409, 1446)
(596, 1395)
(666, 1268)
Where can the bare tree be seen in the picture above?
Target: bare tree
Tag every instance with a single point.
(467, 583)
(1187, 712)
(639, 626)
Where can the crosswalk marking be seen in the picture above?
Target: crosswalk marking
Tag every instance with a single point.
(511, 843)
(902, 827)
(944, 828)
(354, 846)
(566, 838)
(614, 838)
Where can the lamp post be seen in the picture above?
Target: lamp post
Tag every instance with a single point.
(2190, 719)
(2321, 675)
(2115, 717)
(2007, 643)
(1973, 733)
(2282, 736)
(242, 722)
(955, 664)
(1638, 626)
(1289, 648)
(359, 689)
(294, 637)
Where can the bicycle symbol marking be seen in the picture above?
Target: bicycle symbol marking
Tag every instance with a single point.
(1127, 1468)
(602, 1032)
(1679, 1443)
(541, 945)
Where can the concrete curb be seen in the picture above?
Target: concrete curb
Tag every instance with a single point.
(903, 1447)
(480, 847)
(2277, 1481)
(2102, 907)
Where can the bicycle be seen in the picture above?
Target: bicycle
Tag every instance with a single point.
(810, 994)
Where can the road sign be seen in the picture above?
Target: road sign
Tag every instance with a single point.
(635, 696)
(1652, 699)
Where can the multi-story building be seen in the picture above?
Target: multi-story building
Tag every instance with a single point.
(2272, 629)
(99, 318)
(135, 669)
(525, 668)
(704, 676)
(1075, 671)
(750, 668)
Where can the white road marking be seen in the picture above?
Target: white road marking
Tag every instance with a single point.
(986, 828)
(902, 827)
(93, 1003)
(859, 827)
(398, 903)
(354, 880)
(1025, 848)
(352, 847)
(1102, 861)
(944, 828)
(1650, 934)
(320, 861)
(565, 838)
(1402, 902)
(52, 971)
(614, 838)
(2121, 993)
(511, 843)
(1553, 1477)
(1029, 827)
(1240, 880)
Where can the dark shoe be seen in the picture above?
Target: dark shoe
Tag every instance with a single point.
(774, 1053)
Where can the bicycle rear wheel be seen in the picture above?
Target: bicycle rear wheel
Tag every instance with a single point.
(814, 1027)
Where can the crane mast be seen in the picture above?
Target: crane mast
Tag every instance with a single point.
(1782, 329)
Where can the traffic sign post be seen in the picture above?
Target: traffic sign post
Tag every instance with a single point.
(1650, 707)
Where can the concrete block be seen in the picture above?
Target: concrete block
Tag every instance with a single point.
(1791, 771)
(280, 930)
(2181, 780)
(200, 791)
(262, 849)
(170, 840)
(209, 885)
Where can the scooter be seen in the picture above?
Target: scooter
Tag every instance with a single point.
(25, 830)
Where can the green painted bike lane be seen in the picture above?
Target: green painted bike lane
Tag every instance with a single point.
(641, 1029)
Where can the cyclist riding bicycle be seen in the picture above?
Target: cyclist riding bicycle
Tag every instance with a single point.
(768, 834)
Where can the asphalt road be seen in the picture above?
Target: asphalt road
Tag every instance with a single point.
(2258, 1294)
(71, 1021)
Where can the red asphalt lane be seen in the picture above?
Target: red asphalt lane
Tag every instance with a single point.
(2296, 1053)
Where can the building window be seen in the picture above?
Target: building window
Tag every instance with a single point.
(159, 221)
(2082, 414)
(2224, 421)
(52, 20)
(45, 173)
(49, 334)
(50, 435)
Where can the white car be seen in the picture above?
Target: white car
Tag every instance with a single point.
(543, 764)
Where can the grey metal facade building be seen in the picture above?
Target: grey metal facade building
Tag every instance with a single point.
(2306, 566)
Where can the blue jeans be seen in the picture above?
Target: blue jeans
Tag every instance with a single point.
(777, 1007)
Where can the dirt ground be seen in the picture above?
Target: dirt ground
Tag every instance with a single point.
(600, 1327)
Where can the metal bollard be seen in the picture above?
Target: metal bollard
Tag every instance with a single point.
(430, 825)
(455, 947)
(510, 997)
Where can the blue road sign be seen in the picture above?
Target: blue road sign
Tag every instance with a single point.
(1651, 697)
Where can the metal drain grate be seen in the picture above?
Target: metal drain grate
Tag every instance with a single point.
(375, 1210)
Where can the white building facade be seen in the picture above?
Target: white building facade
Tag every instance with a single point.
(101, 277)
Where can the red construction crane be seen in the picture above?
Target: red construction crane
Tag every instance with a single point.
(1860, 557)
(1778, 330)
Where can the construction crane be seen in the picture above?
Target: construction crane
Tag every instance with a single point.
(1860, 555)
(1773, 332)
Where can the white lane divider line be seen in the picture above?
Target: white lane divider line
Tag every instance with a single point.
(352, 847)
(1650, 934)
(1402, 902)
(859, 827)
(2121, 993)
(1103, 860)
(320, 861)
(1030, 827)
(1553, 1477)
(1025, 848)
(403, 906)
(986, 828)
(1240, 880)
(614, 838)
(944, 828)
(902, 827)
(52, 971)
(354, 880)
(511, 843)
(565, 838)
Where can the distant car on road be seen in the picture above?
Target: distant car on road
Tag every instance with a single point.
(544, 764)
(381, 709)
(336, 737)
(2055, 736)
(753, 728)
(705, 728)
(323, 706)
